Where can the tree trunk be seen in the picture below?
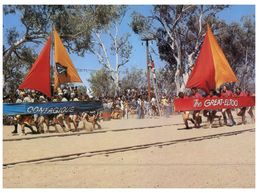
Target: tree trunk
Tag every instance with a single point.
(116, 81)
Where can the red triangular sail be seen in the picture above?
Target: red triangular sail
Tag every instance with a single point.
(211, 69)
(38, 78)
(203, 73)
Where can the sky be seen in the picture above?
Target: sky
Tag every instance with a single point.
(138, 57)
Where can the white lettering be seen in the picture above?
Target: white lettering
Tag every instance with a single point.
(30, 110)
(197, 103)
(49, 110)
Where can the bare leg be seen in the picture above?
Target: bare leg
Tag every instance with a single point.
(242, 113)
(230, 116)
(224, 116)
(15, 128)
(197, 118)
(60, 122)
(67, 121)
(186, 118)
(250, 112)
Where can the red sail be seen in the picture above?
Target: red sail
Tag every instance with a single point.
(203, 73)
(38, 78)
(211, 69)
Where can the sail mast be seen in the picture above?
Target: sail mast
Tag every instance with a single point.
(52, 63)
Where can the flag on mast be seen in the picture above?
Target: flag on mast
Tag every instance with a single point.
(38, 78)
(211, 69)
(65, 70)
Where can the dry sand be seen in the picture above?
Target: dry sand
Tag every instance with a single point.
(227, 161)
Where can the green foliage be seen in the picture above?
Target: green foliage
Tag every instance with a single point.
(16, 67)
(238, 43)
(101, 83)
(179, 31)
(135, 78)
(75, 24)
(140, 24)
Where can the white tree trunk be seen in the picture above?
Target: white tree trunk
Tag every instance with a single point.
(177, 81)
(116, 82)
(178, 75)
(185, 79)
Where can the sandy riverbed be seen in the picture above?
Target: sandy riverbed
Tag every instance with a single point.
(226, 161)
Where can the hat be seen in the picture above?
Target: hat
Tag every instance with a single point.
(22, 93)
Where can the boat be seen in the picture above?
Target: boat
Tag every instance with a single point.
(210, 72)
(212, 68)
(39, 78)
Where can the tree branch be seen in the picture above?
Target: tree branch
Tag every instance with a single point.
(167, 29)
(116, 48)
(104, 50)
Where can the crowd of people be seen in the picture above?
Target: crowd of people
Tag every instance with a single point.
(66, 93)
(131, 103)
(138, 105)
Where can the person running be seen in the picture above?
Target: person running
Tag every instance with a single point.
(212, 114)
(18, 100)
(24, 120)
(60, 117)
(196, 114)
(226, 92)
(75, 117)
(186, 114)
(250, 111)
(242, 111)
